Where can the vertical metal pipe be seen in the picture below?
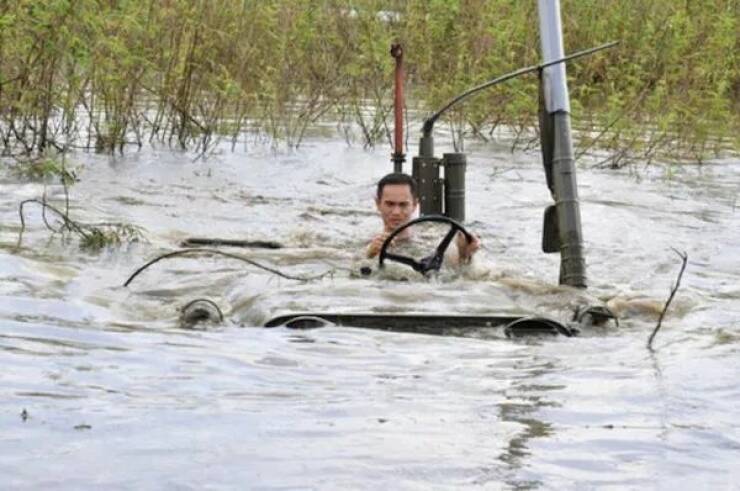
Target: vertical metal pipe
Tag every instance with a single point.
(398, 156)
(426, 146)
(454, 189)
(572, 262)
(425, 169)
(429, 185)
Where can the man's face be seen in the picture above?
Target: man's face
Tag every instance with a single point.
(396, 205)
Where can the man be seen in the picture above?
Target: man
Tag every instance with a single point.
(397, 201)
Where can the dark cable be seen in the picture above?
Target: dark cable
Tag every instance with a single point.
(429, 123)
(183, 252)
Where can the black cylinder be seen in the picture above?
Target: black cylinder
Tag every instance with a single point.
(426, 174)
(454, 164)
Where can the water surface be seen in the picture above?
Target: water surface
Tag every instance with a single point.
(100, 388)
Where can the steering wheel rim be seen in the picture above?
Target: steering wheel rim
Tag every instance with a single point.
(429, 263)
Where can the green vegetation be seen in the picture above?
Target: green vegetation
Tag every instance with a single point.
(103, 74)
(45, 168)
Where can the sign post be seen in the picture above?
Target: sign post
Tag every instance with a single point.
(558, 159)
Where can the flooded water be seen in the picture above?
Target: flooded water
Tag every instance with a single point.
(100, 388)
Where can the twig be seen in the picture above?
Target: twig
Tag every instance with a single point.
(684, 258)
(68, 222)
(43, 214)
(93, 235)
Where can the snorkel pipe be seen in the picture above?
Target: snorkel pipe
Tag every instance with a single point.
(398, 156)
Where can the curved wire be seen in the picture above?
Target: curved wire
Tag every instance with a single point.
(184, 252)
(429, 123)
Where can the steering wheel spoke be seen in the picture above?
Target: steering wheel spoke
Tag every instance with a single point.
(408, 261)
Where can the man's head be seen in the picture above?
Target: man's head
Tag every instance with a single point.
(396, 200)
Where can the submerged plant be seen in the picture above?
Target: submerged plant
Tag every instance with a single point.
(109, 235)
(92, 237)
(45, 169)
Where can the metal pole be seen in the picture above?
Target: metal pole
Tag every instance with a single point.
(454, 191)
(398, 157)
(565, 191)
(429, 185)
(425, 169)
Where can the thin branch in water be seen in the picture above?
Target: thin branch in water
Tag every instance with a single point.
(68, 222)
(684, 259)
(93, 236)
(43, 214)
(44, 207)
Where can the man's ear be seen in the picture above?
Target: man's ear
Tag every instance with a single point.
(377, 203)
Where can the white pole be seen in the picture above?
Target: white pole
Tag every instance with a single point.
(551, 40)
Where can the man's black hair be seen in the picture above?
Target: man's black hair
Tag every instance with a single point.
(397, 178)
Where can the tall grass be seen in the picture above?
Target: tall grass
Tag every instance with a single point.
(105, 74)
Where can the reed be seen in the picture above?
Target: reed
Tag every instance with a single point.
(104, 75)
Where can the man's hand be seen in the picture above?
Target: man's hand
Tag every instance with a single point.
(373, 249)
(465, 249)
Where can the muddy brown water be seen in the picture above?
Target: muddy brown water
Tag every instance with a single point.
(99, 388)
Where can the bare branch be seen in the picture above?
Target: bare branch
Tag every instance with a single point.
(684, 258)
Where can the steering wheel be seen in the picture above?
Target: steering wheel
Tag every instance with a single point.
(431, 262)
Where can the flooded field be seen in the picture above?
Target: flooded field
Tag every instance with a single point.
(100, 388)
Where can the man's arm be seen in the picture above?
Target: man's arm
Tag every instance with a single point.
(373, 248)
